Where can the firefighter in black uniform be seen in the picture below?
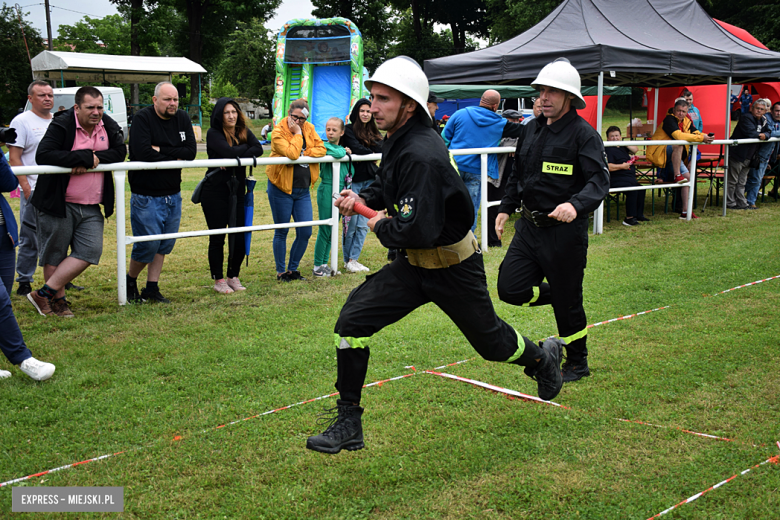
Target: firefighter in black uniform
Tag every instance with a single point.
(439, 259)
(560, 176)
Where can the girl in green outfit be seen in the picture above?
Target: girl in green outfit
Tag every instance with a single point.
(334, 129)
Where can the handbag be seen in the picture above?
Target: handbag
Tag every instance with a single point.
(196, 192)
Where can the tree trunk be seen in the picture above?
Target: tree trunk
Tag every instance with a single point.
(135, 48)
(416, 22)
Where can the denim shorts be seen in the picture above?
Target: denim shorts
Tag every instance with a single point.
(154, 216)
(81, 230)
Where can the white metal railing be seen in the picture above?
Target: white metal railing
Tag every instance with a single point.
(120, 171)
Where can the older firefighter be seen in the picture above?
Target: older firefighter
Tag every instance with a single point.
(560, 176)
(438, 261)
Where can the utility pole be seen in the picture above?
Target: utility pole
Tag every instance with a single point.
(48, 23)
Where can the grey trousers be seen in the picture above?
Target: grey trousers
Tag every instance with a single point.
(27, 256)
(738, 172)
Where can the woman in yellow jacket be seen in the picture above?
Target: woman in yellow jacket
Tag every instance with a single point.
(288, 185)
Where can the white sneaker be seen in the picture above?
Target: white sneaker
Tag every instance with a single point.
(361, 267)
(5, 374)
(320, 271)
(222, 287)
(353, 266)
(38, 370)
(235, 284)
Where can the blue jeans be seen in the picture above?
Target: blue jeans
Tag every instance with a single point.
(11, 341)
(666, 173)
(154, 216)
(755, 175)
(473, 184)
(283, 206)
(357, 229)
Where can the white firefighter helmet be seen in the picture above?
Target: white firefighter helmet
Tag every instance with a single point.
(562, 75)
(404, 75)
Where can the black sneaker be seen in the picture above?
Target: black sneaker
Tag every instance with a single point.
(296, 275)
(24, 289)
(284, 277)
(133, 296)
(344, 431)
(547, 373)
(153, 296)
(630, 222)
(574, 370)
(70, 286)
(643, 219)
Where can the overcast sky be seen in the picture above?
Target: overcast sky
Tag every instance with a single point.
(64, 12)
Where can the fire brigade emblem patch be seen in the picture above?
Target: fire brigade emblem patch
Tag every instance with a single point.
(406, 210)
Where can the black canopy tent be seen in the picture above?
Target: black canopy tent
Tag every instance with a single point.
(654, 43)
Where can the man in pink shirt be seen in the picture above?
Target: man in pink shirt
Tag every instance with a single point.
(67, 205)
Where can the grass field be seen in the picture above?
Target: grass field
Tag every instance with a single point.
(153, 385)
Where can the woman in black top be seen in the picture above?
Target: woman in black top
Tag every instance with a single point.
(363, 138)
(228, 137)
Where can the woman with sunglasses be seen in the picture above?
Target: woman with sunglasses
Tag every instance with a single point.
(288, 185)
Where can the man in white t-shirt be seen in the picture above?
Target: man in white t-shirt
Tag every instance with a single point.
(30, 127)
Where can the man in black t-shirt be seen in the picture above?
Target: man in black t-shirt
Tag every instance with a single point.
(161, 132)
(622, 174)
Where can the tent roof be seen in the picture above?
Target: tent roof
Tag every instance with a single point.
(108, 67)
(511, 91)
(637, 42)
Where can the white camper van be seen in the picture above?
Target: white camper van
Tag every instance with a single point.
(113, 103)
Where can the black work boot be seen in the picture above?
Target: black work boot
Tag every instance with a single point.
(133, 296)
(574, 370)
(344, 431)
(547, 373)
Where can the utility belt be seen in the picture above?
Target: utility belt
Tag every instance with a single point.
(539, 218)
(444, 256)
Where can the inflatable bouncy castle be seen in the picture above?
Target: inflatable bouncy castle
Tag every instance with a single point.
(320, 60)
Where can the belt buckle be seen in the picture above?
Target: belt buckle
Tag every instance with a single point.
(534, 214)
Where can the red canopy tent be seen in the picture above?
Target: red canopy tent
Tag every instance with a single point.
(709, 99)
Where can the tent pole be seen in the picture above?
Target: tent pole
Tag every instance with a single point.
(726, 148)
(655, 111)
(598, 216)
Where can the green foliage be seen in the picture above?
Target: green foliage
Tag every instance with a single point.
(16, 73)
(431, 43)
(508, 18)
(759, 17)
(374, 18)
(248, 61)
(224, 89)
(108, 35)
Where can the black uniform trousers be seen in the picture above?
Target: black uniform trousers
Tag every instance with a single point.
(496, 194)
(399, 288)
(559, 254)
(215, 201)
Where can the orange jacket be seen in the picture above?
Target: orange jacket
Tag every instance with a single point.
(285, 144)
(657, 154)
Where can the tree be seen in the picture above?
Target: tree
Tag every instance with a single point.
(465, 17)
(374, 18)
(758, 17)
(16, 72)
(426, 45)
(145, 29)
(222, 17)
(508, 18)
(109, 35)
(249, 61)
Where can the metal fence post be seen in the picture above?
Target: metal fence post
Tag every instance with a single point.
(334, 214)
(691, 182)
(483, 196)
(121, 247)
